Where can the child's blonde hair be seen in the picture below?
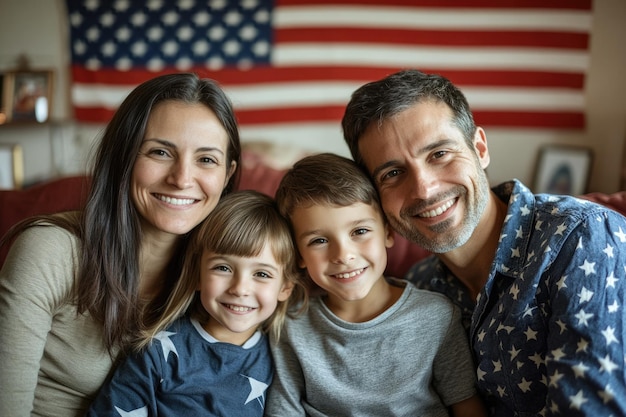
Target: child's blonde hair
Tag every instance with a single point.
(241, 224)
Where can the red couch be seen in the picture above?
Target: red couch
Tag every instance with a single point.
(69, 193)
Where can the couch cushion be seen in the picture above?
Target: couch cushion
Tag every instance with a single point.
(62, 194)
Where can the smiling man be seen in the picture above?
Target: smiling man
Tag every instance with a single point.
(540, 278)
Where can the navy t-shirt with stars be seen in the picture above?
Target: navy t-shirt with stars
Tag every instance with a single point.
(186, 372)
(548, 331)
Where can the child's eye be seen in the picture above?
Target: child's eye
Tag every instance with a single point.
(262, 274)
(360, 231)
(318, 241)
(221, 268)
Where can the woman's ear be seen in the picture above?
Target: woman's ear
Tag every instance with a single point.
(230, 172)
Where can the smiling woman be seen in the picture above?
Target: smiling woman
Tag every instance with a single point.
(104, 273)
(181, 168)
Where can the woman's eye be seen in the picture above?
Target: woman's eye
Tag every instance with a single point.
(158, 152)
(207, 160)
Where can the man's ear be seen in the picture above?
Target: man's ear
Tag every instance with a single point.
(480, 145)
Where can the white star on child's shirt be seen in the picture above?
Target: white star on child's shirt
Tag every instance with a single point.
(140, 412)
(257, 391)
(166, 343)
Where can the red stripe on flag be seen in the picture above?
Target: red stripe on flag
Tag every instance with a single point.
(93, 114)
(551, 120)
(291, 114)
(448, 38)
(232, 77)
(455, 4)
(492, 118)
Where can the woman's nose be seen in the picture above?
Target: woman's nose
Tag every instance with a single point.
(181, 175)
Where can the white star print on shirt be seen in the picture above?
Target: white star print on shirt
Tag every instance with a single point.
(166, 343)
(573, 275)
(140, 412)
(257, 391)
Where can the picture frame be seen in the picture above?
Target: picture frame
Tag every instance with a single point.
(11, 167)
(27, 95)
(563, 169)
(3, 114)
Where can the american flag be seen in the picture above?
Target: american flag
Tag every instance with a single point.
(292, 64)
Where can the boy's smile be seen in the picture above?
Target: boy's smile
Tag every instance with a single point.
(342, 248)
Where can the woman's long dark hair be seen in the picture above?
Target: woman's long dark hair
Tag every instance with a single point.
(109, 227)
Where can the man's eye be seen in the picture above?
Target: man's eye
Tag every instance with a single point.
(390, 174)
(439, 154)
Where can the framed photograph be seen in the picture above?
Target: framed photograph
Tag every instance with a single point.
(27, 95)
(563, 169)
(3, 114)
(11, 167)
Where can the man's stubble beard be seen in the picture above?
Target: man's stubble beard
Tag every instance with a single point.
(447, 238)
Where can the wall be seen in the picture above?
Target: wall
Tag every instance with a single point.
(38, 28)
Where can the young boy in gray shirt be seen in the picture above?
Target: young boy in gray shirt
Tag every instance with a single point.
(367, 345)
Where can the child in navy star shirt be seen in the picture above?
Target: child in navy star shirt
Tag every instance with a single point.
(208, 354)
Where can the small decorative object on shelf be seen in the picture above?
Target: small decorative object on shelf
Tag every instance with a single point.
(11, 167)
(26, 93)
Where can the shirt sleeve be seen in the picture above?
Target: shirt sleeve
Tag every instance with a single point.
(132, 388)
(287, 388)
(36, 277)
(587, 331)
(454, 376)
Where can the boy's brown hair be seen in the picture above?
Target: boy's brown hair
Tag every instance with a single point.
(327, 179)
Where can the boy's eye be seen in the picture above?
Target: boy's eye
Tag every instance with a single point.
(361, 231)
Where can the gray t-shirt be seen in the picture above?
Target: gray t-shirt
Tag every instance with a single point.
(412, 360)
